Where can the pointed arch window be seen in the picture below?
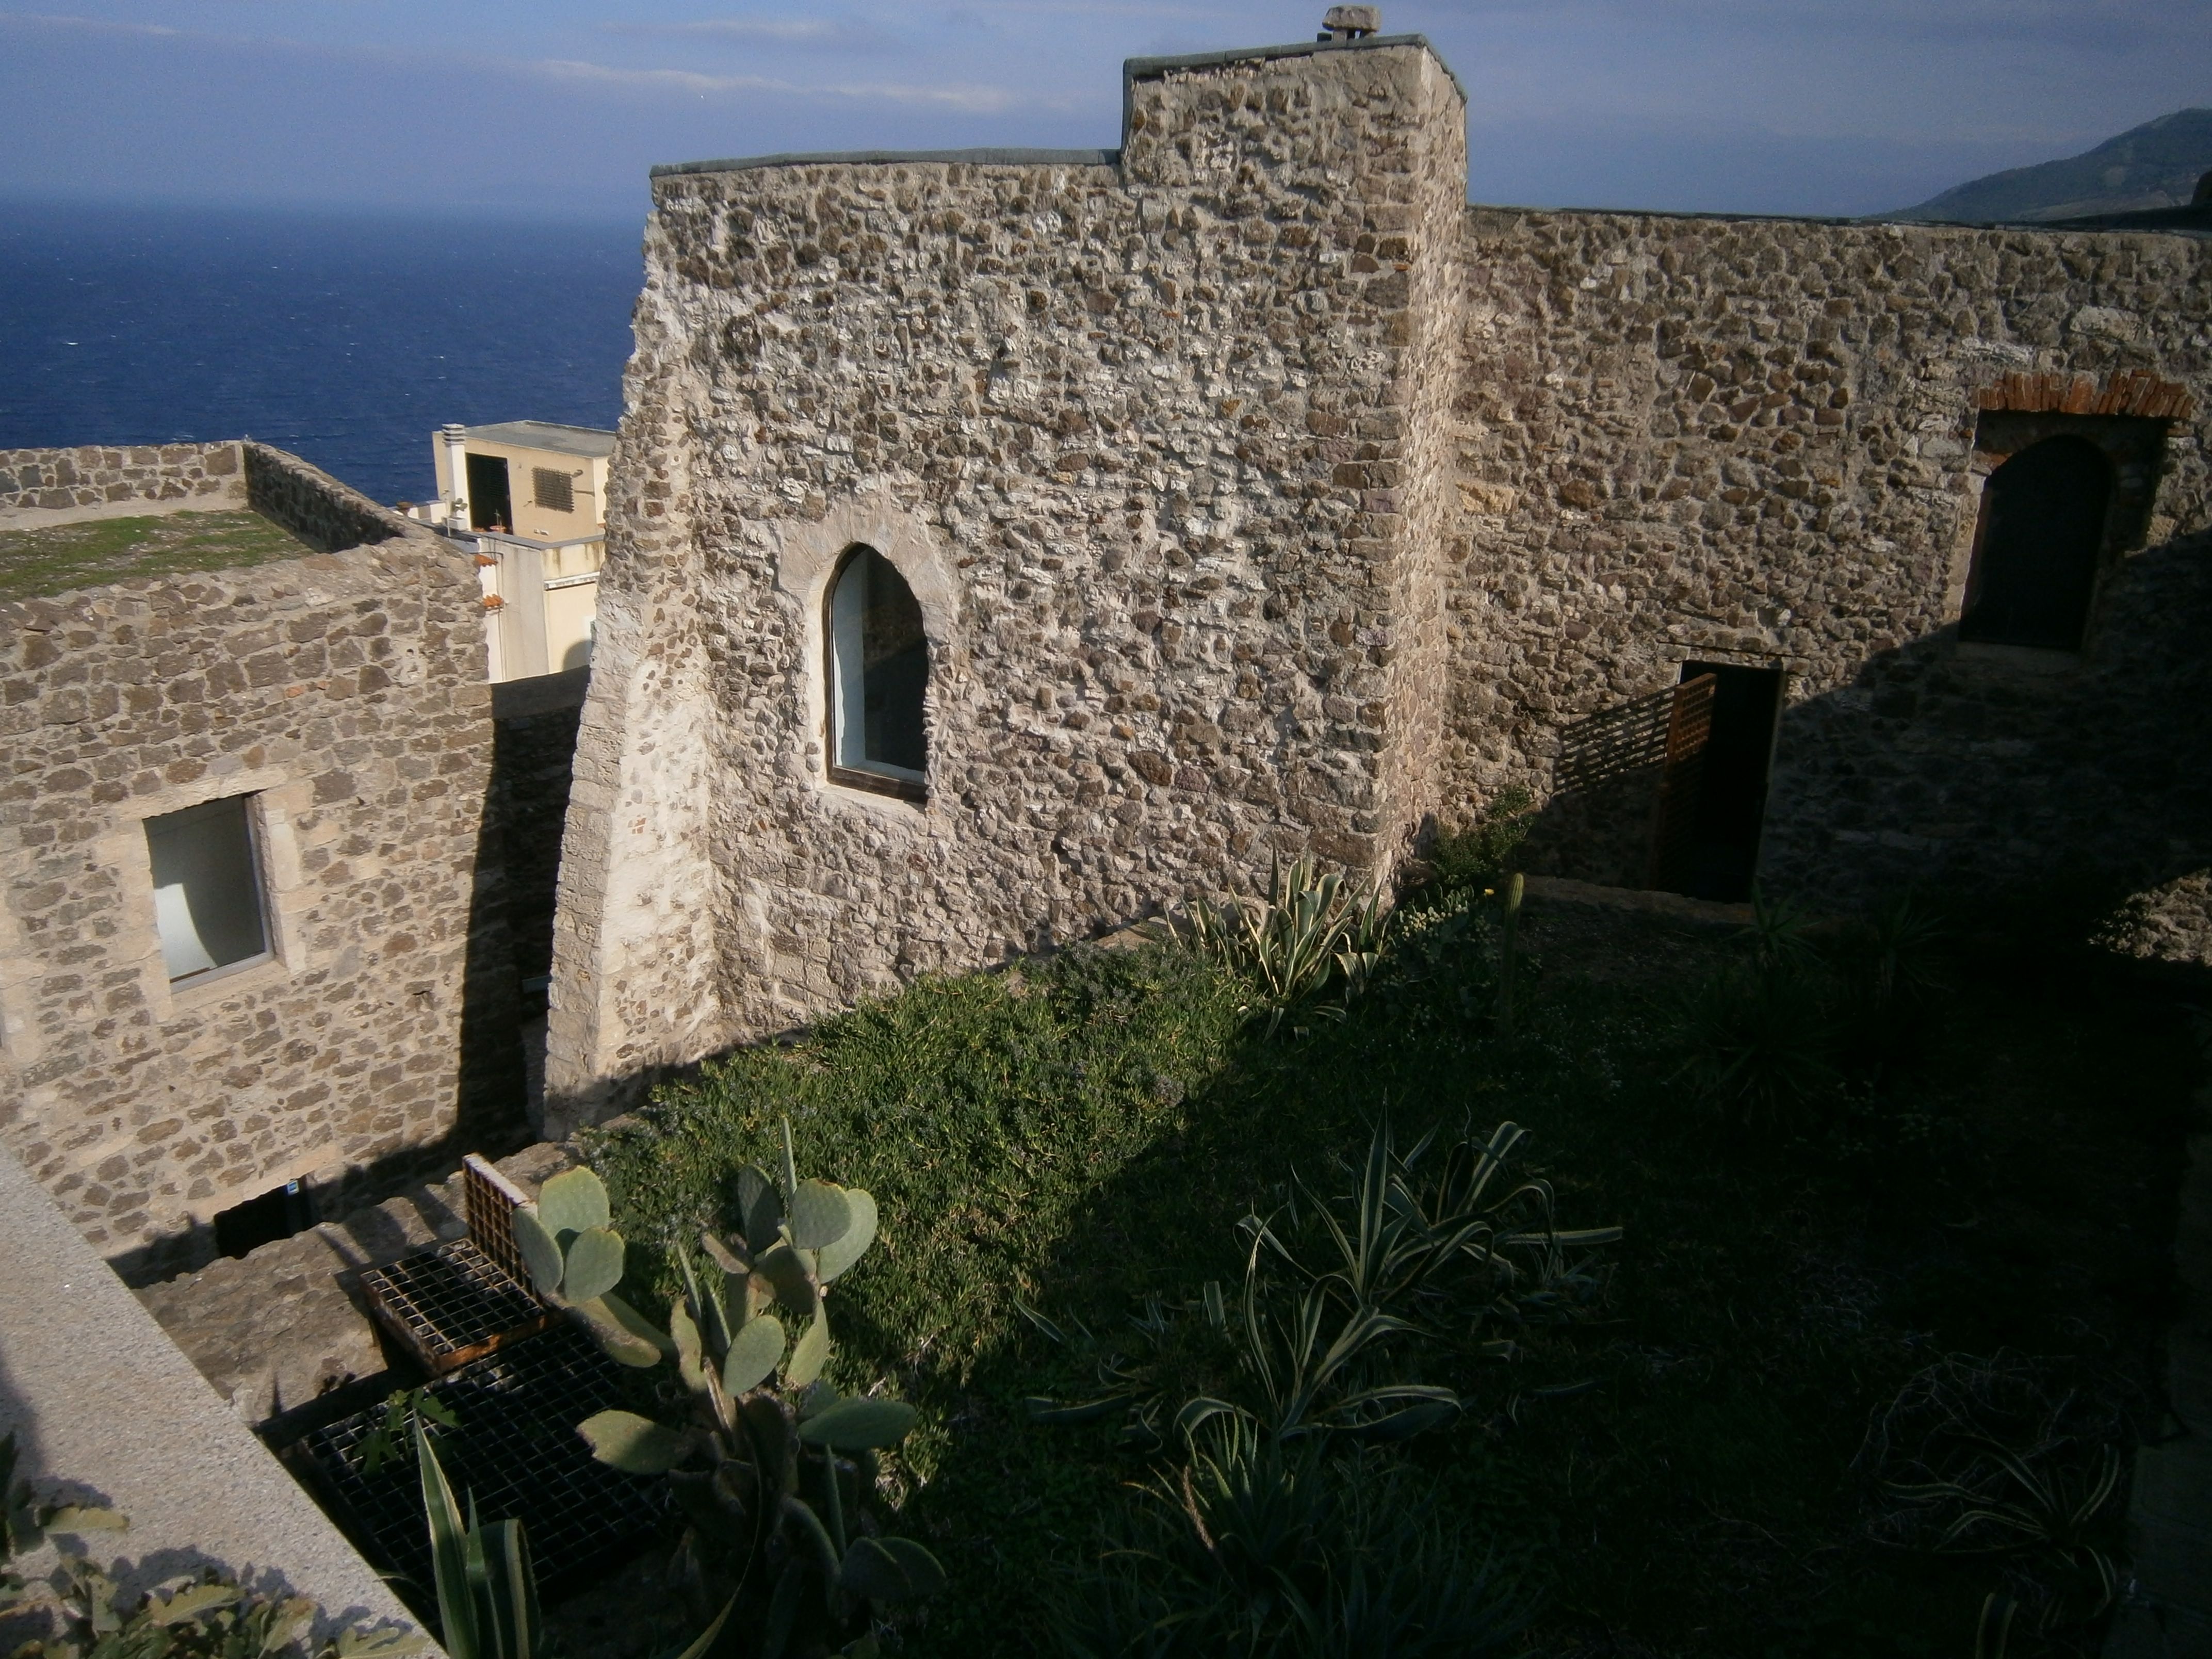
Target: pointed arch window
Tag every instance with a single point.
(878, 676)
(2036, 547)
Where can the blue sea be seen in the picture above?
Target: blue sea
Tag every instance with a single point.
(345, 339)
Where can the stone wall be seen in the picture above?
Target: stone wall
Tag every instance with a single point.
(1260, 497)
(1147, 441)
(345, 694)
(96, 474)
(312, 505)
(1763, 442)
(534, 752)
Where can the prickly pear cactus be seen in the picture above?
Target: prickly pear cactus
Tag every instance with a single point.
(774, 1469)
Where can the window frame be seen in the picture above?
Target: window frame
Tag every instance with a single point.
(252, 815)
(288, 893)
(914, 790)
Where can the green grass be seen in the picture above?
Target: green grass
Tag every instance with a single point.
(97, 551)
(1091, 1127)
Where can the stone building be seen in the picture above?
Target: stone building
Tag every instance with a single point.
(250, 933)
(1003, 545)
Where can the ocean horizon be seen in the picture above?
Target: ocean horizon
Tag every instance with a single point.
(346, 338)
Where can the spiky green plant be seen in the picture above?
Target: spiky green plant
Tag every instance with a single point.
(2045, 1510)
(487, 1593)
(1253, 1546)
(1312, 934)
(1753, 1044)
(774, 1469)
(1419, 1255)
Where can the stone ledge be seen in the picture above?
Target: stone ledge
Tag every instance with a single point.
(98, 1397)
(1710, 912)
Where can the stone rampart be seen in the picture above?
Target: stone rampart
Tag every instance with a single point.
(344, 696)
(1763, 442)
(1146, 443)
(1260, 497)
(107, 475)
(327, 515)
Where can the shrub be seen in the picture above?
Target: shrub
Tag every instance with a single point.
(1755, 1044)
(1464, 861)
(1284, 1529)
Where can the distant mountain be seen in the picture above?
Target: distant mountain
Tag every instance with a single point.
(2156, 165)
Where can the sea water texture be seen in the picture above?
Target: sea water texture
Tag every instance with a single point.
(347, 340)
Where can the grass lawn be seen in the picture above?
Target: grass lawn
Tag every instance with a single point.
(96, 551)
(1088, 1130)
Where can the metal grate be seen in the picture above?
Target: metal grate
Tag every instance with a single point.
(489, 1201)
(452, 1304)
(552, 489)
(515, 1451)
(1615, 742)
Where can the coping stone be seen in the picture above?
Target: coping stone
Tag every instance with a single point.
(99, 1398)
(988, 157)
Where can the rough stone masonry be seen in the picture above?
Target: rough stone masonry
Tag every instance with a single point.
(344, 694)
(1259, 496)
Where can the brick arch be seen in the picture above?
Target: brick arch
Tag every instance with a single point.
(2135, 392)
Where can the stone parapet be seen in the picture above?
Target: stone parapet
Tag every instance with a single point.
(94, 475)
(80, 1364)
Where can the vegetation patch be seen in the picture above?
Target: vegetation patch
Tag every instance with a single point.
(93, 552)
(1907, 1178)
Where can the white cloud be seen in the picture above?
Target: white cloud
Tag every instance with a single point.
(970, 98)
(84, 25)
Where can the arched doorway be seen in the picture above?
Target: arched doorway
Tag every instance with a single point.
(2036, 549)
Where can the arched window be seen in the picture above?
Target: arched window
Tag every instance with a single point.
(879, 672)
(2035, 550)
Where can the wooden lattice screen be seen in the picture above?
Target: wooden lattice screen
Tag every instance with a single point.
(1615, 742)
(1689, 729)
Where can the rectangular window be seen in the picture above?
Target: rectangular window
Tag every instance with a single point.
(207, 889)
(555, 491)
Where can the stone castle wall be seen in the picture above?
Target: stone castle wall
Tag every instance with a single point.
(1756, 441)
(1260, 497)
(1134, 433)
(313, 506)
(344, 693)
(98, 475)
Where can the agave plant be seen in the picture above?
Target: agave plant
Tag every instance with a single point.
(2045, 1511)
(773, 1469)
(1441, 1258)
(1296, 1552)
(487, 1593)
(1312, 933)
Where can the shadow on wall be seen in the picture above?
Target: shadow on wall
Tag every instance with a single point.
(1977, 769)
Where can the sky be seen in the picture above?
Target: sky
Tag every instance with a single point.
(492, 110)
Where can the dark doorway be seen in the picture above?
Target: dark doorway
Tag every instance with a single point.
(2035, 549)
(490, 506)
(278, 1213)
(1712, 797)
